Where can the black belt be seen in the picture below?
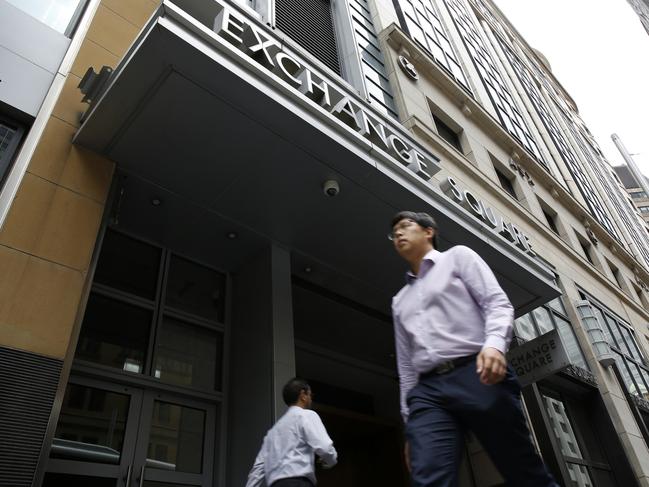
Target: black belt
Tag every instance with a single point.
(449, 365)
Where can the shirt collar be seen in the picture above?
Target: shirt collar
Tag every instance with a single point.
(431, 257)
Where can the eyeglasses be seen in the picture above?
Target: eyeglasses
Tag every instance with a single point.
(399, 227)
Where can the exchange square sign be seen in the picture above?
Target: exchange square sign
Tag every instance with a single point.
(538, 358)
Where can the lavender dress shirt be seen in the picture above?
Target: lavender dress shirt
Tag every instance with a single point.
(453, 308)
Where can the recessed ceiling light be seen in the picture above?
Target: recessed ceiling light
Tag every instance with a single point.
(231, 235)
(156, 201)
(308, 269)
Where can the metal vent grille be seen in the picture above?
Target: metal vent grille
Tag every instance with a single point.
(28, 385)
(310, 24)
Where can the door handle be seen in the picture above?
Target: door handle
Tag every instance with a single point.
(142, 475)
(127, 478)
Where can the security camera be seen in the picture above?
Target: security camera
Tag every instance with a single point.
(331, 188)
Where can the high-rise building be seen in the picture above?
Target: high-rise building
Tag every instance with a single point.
(635, 189)
(194, 200)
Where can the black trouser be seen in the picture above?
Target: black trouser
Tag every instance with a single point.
(443, 406)
(293, 482)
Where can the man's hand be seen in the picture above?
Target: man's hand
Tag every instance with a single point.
(406, 455)
(492, 366)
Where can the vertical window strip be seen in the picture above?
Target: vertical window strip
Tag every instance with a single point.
(424, 25)
(633, 226)
(508, 112)
(372, 60)
(566, 152)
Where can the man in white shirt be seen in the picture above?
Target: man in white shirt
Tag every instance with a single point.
(286, 458)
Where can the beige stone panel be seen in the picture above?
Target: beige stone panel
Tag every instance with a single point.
(87, 173)
(136, 12)
(69, 232)
(92, 55)
(38, 303)
(52, 151)
(69, 106)
(111, 31)
(27, 215)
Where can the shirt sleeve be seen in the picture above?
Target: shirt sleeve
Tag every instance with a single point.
(318, 439)
(407, 375)
(257, 475)
(496, 307)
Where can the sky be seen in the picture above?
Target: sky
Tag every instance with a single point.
(599, 52)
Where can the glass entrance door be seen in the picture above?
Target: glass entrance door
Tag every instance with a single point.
(120, 436)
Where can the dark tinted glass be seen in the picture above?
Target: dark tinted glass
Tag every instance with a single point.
(176, 441)
(188, 355)
(196, 289)
(128, 265)
(114, 333)
(91, 425)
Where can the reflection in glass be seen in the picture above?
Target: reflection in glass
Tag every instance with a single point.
(55, 13)
(128, 265)
(562, 427)
(91, 425)
(570, 343)
(188, 355)
(176, 441)
(524, 327)
(579, 476)
(196, 289)
(628, 381)
(114, 333)
(543, 320)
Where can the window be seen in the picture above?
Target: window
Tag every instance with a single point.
(506, 108)
(586, 248)
(643, 209)
(447, 133)
(617, 275)
(10, 135)
(154, 313)
(638, 194)
(621, 338)
(546, 318)
(422, 21)
(551, 220)
(506, 182)
(60, 15)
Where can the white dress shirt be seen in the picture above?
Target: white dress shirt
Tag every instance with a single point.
(453, 308)
(289, 447)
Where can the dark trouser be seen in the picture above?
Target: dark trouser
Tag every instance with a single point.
(293, 482)
(443, 406)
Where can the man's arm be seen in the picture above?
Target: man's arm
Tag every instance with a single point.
(497, 311)
(257, 475)
(317, 438)
(407, 374)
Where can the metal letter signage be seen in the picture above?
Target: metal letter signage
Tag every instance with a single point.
(538, 358)
(487, 215)
(259, 45)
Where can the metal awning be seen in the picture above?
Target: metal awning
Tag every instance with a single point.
(188, 114)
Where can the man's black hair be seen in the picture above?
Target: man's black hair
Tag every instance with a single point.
(422, 219)
(292, 389)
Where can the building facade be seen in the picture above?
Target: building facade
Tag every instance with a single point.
(195, 196)
(636, 190)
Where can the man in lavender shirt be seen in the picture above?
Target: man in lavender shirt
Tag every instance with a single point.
(453, 324)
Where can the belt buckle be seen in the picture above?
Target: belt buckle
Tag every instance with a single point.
(444, 368)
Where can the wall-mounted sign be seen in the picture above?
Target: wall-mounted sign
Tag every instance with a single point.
(487, 215)
(408, 68)
(260, 45)
(538, 358)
